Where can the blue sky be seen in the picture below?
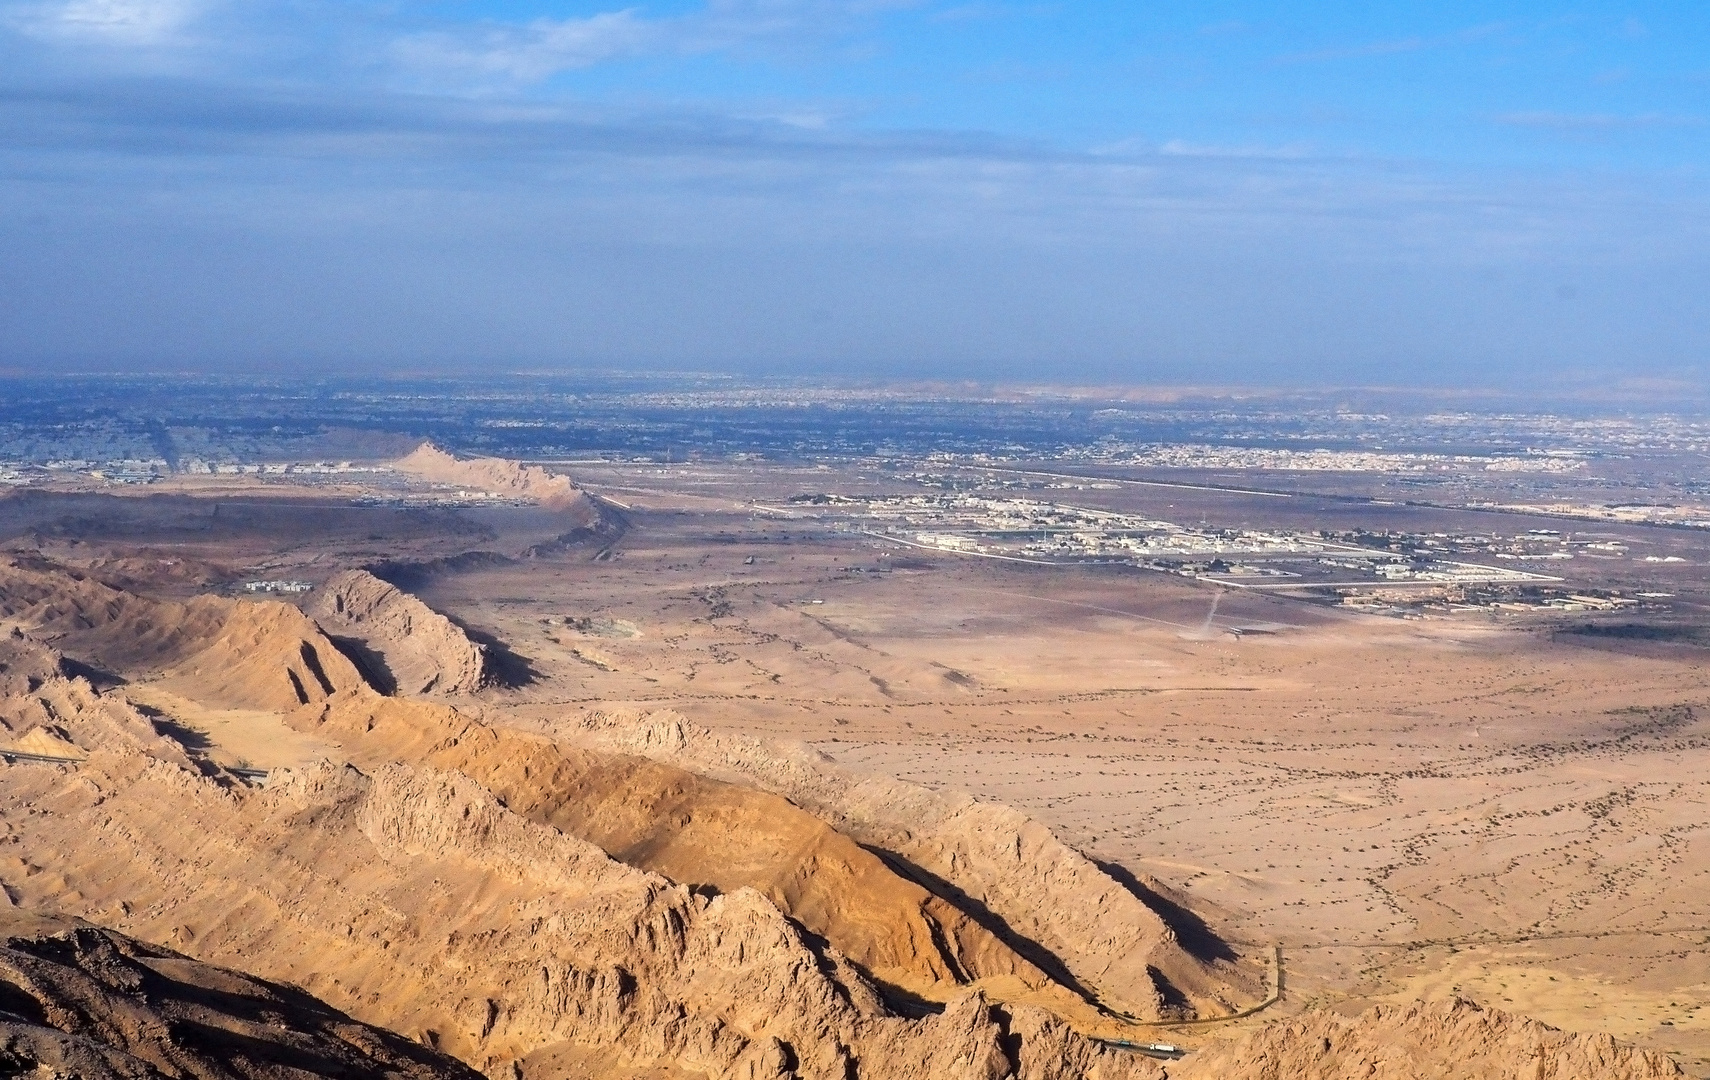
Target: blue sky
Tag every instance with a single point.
(1447, 193)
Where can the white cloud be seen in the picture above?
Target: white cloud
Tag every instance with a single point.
(531, 52)
(535, 51)
(1182, 148)
(114, 22)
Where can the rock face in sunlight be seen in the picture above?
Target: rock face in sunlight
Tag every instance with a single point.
(421, 650)
(1453, 1038)
(413, 899)
(43, 711)
(499, 477)
(418, 888)
(237, 654)
(699, 830)
(1103, 935)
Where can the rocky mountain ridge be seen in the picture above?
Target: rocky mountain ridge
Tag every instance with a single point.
(417, 649)
(79, 1001)
(1104, 935)
(497, 476)
(616, 891)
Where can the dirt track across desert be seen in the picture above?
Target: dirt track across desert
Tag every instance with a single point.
(1119, 805)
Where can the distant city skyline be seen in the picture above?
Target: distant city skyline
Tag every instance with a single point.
(1490, 195)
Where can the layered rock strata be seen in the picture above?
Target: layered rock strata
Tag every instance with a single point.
(43, 711)
(420, 650)
(412, 899)
(1103, 934)
(80, 1001)
(497, 476)
(225, 653)
(704, 832)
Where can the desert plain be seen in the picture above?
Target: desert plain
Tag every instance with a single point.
(674, 677)
(1409, 808)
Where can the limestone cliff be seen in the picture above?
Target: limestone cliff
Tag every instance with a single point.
(1453, 1038)
(420, 650)
(497, 476)
(412, 899)
(1103, 934)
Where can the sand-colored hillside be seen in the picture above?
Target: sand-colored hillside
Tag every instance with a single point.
(1452, 1038)
(414, 899)
(263, 656)
(80, 1001)
(66, 717)
(1104, 937)
(234, 653)
(42, 711)
(269, 657)
(25, 664)
(108, 627)
(497, 476)
(705, 832)
(418, 649)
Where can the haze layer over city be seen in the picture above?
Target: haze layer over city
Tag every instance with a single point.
(903, 540)
(1235, 194)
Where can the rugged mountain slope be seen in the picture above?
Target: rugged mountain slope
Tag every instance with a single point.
(103, 625)
(1104, 935)
(26, 664)
(419, 649)
(966, 892)
(79, 1001)
(915, 935)
(262, 655)
(66, 717)
(226, 653)
(412, 899)
(1452, 1038)
(702, 832)
(458, 890)
(44, 712)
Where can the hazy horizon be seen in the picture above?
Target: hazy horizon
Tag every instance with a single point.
(1239, 194)
(139, 392)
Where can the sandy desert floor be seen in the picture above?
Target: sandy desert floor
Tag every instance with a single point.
(1410, 809)
(1470, 805)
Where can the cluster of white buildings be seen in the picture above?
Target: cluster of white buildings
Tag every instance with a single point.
(200, 467)
(277, 586)
(1048, 532)
(147, 470)
(1035, 529)
(1191, 456)
(1696, 516)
